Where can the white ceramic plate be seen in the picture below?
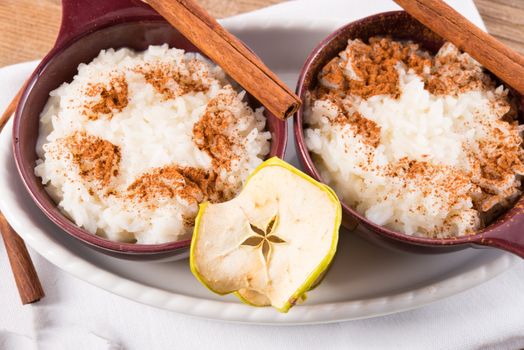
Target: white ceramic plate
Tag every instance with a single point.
(364, 281)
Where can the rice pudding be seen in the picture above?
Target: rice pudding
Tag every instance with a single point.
(137, 140)
(423, 144)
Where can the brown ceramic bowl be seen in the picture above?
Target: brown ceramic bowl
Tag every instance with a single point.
(505, 233)
(89, 26)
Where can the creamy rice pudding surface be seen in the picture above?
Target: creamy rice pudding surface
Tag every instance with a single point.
(426, 145)
(131, 146)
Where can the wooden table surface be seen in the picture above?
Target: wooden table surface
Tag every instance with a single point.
(28, 27)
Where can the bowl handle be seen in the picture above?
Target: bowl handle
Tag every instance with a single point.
(79, 16)
(509, 235)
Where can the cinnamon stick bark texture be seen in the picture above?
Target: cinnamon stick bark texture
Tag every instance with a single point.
(26, 279)
(228, 52)
(10, 109)
(502, 61)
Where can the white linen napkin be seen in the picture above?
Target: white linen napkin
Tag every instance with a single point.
(76, 315)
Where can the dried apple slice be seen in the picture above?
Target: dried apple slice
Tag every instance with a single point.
(272, 242)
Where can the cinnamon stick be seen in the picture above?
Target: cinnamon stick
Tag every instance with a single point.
(502, 61)
(26, 279)
(228, 52)
(10, 108)
(24, 272)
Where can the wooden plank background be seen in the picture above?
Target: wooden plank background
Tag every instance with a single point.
(28, 27)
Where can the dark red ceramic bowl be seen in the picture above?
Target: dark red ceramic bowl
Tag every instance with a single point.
(89, 26)
(506, 232)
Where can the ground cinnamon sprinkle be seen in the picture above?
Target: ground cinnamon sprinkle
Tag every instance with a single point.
(366, 128)
(207, 181)
(499, 159)
(452, 74)
(445, 184)
(191, 184)
(97, 160)
(432, 177)
(114, 98)
(209, 133)
(189, 221)
(334, 77)
(374, 65)
(171, 82)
